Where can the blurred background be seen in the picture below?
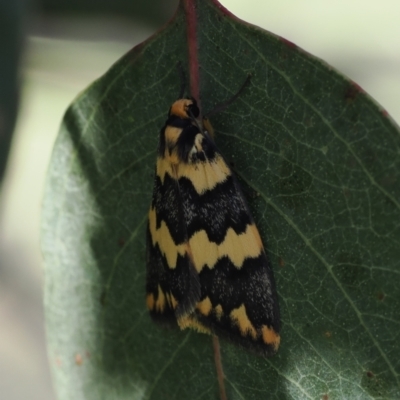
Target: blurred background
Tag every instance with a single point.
(50, 50)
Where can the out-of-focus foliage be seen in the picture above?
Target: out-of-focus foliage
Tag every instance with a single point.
(10, 48)
(153, 11)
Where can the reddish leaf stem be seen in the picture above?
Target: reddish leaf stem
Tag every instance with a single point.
(191, 24)
(218, 366)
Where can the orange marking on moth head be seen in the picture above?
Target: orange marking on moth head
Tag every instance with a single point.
(270, 337)
(180, 108)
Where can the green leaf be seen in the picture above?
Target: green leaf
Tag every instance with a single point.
(319, 162)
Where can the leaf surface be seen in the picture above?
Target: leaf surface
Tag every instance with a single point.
(319, 164)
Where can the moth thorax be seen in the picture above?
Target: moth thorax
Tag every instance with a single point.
(172, 135)
(197, 147)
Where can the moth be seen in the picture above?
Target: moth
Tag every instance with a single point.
(206, 265)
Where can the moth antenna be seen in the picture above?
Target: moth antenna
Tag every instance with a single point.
(220, 107)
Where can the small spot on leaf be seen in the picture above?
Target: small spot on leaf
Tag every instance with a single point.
(380, 296)
(78, 359)
(328, 334)
(346, 192)
(353, 91)
(373, 385)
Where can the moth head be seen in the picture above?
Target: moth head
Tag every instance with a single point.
(185, 109)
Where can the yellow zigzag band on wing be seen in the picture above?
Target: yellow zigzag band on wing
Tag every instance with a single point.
(163, 238)
(163, 301)
(205, 307)
(203, 175)
(241, 319)
(190, 321)
(237, 247)
(239, 315)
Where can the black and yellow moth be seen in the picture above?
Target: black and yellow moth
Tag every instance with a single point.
(206, 264)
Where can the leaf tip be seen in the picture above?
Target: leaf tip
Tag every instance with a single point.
(223, 10)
